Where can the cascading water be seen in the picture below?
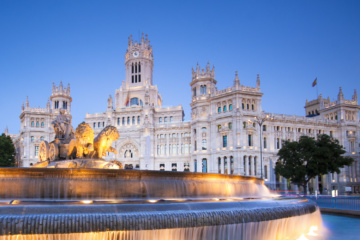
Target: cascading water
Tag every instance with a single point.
(128, 204)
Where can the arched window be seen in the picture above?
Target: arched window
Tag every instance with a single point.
(123, 121)
(160, 119)
(94, 125)
(230, 125)
(204, 165)
(32, 123)
(138, 120)
(230, 107)
(135, 101)
(243, 106)
(231, 165)
(165, 119)
(42, 124)
(225, 108)
(118, 121)
(247, 106)
(139, 68)
(128, 121)
(132, 68)
(219, 109)
(133, 120)
(195, 165)
(252, 107)
(171, 118)
(203, 130)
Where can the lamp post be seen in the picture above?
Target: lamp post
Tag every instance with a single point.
(260, 121)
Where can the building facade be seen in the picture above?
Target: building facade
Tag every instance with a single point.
(222, 136)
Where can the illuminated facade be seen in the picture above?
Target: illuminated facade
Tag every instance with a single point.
(221, 137)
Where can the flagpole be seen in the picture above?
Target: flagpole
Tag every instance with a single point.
(317, 93)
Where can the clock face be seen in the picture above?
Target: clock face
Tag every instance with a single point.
(136, 54)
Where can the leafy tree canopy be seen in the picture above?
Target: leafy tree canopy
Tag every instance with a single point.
(303, 160)
(7, 151)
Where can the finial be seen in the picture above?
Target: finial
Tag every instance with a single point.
(355, 96)
(61, 86)
(340, 95)
(22, 106)
(142, 38)
(208, 67)
(258, 81)
(236, 80)
(6, 132)
(27, 102)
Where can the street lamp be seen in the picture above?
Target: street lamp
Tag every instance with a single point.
(260, 121)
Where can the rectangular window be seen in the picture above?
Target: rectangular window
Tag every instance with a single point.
(250, 140)
(331, 133)
(225, 141)
(99, 124)
(244, 124)
(32, 138)
(230, 125)
(277, 143)
(162, 166)
(264, 128)
(174, 167)
(186, 167)
(36, 150)
(265, 145)
(195, 165)
(265, 172)
(94, 125)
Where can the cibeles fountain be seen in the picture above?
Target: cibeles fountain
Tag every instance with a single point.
(72, 193)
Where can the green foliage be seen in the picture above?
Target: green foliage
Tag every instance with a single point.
(7, 151)
(303, 160)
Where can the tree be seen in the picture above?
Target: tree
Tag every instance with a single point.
(304, 160)
(7, 151)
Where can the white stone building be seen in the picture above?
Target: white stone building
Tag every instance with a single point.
(36, 125)
(222, 136)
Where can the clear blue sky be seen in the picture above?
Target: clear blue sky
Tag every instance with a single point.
(83, 43)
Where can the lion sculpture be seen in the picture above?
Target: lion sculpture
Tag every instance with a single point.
(82, 145)
(103, 141)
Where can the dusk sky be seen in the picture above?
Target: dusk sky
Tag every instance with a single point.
(289, 43)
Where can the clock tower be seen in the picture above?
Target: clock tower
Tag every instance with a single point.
(138, 88)
(139, 62)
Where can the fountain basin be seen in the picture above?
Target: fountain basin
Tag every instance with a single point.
(128, 204)
(60, 183)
